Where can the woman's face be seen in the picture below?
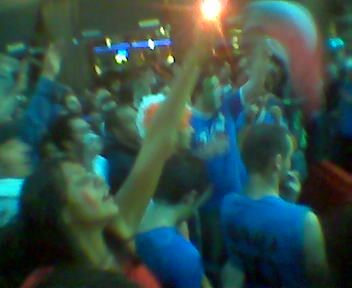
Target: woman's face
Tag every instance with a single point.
(88, 199)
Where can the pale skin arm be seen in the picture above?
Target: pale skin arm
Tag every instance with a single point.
(140, 185)
(316, 264)
(258, 68)
(183, 229)
(206, 283)
(232, 276)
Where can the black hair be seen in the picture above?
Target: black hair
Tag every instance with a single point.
(262, 143)
(38, 237)
(126, 92)
(182, 174)
(61, 131)
(277, 79)
(78, 277)
(42, 200)
(9, 131)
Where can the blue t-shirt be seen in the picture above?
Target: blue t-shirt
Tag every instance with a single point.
(226, 171)
(265, 239)
(172, 259)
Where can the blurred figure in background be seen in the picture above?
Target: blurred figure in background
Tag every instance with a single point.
(74, 138)
(15, 166)
(343, 145)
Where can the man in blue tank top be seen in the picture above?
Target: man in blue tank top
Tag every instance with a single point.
(270, 242)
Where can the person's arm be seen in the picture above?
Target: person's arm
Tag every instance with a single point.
(157, 146)
(260, 55)
(244, 98)
(183, 229)
(206, 283)
(232, 276)
(316, 264)
(42, 107)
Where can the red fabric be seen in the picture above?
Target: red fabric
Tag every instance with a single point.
(36, 277)
(142, 277)
(152, 108)
(328, 187)
(139, 275)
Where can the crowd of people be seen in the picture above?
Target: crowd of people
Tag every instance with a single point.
(184, 179)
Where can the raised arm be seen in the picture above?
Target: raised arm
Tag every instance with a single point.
(158, 145)
(257, 70)
(42, 108)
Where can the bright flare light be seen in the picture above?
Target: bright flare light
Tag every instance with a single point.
(120, 59)
(211, 9)
(108, 42)
(170, 59)
(151, 44)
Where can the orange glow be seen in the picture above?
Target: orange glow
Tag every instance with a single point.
(211, 9)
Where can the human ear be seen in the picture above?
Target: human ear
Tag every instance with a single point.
(278, 162)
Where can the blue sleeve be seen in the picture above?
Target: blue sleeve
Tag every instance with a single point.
(233, 104)
(40, 112)
(187, 273)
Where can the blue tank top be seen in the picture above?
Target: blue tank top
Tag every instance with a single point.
(172, 259)
(265, 238)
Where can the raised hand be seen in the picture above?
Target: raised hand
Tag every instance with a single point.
(52, 61)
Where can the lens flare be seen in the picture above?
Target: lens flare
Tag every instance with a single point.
(211, 9)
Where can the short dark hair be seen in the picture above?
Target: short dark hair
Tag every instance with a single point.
(182, 173)
(61, 131)
(261, 143)
(126, 92)
(9, 131)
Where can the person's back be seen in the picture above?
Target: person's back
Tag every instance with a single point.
(172, 258)
(267, 237)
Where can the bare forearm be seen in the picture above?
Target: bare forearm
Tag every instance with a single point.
(140, 185)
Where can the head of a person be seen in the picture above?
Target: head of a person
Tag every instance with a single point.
(104, 101)
(146, 114)
(267, 150)
(74, 136)
(210, 92)
(118, 125)
(126, 93)
(9, 68)
(183, 184)
(59, 198)
(72, 104)
(15, 160)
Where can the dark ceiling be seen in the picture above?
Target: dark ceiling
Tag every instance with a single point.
(19, 18)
